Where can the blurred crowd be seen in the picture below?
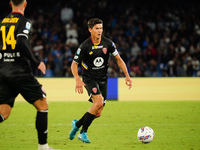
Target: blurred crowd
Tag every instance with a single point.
(155, 38)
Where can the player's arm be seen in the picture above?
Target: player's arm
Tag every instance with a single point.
(21, 44)
(123, 67)
(79, 82)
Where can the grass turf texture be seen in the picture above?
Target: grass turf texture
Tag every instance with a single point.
(176, 125)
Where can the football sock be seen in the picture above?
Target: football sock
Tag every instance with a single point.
(1, 118)
(87, 121)
(80, 122)
(41, 126)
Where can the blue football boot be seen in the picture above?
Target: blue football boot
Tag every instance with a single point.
(83, 137)
(74, 130)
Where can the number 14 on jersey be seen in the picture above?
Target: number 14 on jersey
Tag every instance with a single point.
(8, 39)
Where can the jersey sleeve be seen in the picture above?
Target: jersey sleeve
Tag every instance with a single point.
(21, 44)
(23, 41)
(24, 28)
(79, 55)
(112, 48)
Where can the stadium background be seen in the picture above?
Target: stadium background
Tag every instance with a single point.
(154, 38)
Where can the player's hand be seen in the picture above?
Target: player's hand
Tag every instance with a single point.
(42, 67)
(128, 82)
(79, 85)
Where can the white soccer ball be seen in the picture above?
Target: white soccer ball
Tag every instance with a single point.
(145, 134)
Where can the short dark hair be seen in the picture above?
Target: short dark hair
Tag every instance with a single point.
(93, 22)
(17, 2)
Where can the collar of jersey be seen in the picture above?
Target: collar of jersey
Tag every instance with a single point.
(93, 42)
(17, 12)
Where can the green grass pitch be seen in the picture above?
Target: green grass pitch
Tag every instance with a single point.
(176, 125)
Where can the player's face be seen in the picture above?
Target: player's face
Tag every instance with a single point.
(97, 30)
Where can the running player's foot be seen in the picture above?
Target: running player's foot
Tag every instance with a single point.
(83, 137)
(45, 147)
(74, 130)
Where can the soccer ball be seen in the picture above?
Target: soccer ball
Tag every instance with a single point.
(145, 134)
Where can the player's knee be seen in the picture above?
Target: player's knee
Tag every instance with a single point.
(44, 107)
(41, 105)
(99, 104)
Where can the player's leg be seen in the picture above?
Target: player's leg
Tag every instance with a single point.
(5, 110)
(98, 97)
(86, 120)
(90, 116)
(93, 90)
(97, 104)
(42, 122)
(92, 112)
(103, 88)
(7, 97)
(99, 112)
(34, 93)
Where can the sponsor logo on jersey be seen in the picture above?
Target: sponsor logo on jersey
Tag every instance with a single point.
(26, 31)
(78, 51)
(97, 68)
(9, 57)
(104, 50)
(91, 52)
(98, 61)
(97, 47)
(94, 90)
(28, 25)
(76, 57)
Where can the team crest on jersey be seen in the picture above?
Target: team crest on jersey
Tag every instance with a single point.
(94, 90)
(104, 50)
